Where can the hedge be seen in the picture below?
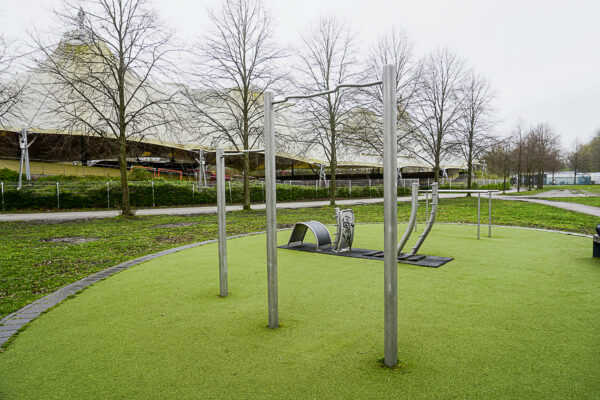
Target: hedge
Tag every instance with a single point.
(144, 194)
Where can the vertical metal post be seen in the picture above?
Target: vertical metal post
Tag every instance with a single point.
(57, 196)
(478, 212)
(350, 187)
(2, 186)
(153, 194)
(229, 186)
(489, 214)
(107, 194)
(271, 205)
(390, 217)
(222, 229)
(426, 206)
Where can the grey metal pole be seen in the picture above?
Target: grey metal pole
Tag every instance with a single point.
(390, 216)
(222, 228)
(478, 212)
(490, 214)
(271, 204)
(153, 194)
(2, 186)
(57, 196)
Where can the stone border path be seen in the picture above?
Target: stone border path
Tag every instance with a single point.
(10, 324)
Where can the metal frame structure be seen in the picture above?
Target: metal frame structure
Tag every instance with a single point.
(430, 220)
(221, 215)
(390, 174)
(478, 192)
(24, 145)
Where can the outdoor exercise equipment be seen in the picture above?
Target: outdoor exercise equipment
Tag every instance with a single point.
(478, 192)
(343, 237)
(390, 163)
(430, 218)
(221, 215)
(320, 231)
(345, 231)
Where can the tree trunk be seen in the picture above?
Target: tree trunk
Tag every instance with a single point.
(246, 159)
(125, 206)
(246, 164)
(333, 163)
(469, 173)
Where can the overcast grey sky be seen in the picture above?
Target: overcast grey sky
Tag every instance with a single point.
(542, 56)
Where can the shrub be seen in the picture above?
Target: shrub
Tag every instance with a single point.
(8, 175)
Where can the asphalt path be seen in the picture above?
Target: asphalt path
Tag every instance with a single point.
(77, 215)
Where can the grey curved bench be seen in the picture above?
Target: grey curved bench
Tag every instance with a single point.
(322, 236)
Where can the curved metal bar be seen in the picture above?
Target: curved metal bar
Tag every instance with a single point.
(345, 85)
(434, 207)
(413, 217)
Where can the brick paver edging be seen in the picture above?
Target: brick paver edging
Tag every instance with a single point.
(10, 324)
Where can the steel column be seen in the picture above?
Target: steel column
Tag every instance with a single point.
(222, 227)
(490, 214)
(390, 217)
(271, 204)
(478, 212)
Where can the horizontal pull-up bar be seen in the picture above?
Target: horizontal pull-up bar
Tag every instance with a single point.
(239, 153)
(345, 85)
(462, 191)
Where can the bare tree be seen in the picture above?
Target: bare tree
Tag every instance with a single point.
(518, 139)
(438, 109)
(327, 61)
(365, 129)
(106, 72)
(544, 150)
(11, 87)
(576, 159)
(591, 152)
(236, 63)
(474, 136)
(500, 160)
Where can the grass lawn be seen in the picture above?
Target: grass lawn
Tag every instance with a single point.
(32, 266)
(515, 317)
(589, 201)
(577, 188)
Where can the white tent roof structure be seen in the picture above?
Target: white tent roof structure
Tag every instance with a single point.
(39, 118)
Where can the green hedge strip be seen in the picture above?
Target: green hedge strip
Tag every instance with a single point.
(72, 195)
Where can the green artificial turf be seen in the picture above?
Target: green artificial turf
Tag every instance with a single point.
(32, 266)
(514, 317)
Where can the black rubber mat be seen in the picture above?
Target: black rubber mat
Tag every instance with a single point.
(421, 260)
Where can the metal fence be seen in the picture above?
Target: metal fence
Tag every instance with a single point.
(107, 194)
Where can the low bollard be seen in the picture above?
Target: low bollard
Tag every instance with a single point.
(596, 252)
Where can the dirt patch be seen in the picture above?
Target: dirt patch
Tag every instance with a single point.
(70, 240)
(176, 225)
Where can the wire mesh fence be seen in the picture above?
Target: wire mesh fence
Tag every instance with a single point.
(108, 194)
